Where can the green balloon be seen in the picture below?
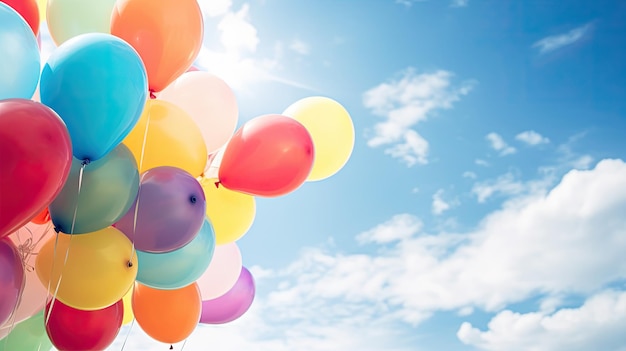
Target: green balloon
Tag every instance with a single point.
(69, 18)
(28, 335)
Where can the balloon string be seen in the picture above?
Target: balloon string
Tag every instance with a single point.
(132, 323)
(81, 172)
(135, 214)
(184, 343)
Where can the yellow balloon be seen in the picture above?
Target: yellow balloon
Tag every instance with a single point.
(128, 307)
(331, 129)
(230, 212)
(172, 139)
(41, 4)
(96, 273)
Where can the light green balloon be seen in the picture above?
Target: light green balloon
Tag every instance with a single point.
(28, 335)
(69, 18)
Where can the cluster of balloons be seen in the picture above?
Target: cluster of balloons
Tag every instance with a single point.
(134, 158)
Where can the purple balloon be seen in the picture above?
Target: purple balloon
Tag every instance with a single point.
(170, 214)
(11, 279)
(233, 304)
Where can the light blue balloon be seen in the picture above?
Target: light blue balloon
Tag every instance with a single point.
(98, 84)
(178, 268)
(19, 62)
(108, 189)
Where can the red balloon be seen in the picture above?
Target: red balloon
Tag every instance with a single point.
(270, 155)
(35, 160)
(28, 10)
(71, 329)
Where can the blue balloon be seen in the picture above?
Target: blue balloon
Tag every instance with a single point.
(19, 62)
(108, 189)
(98, 84)
(178, 268)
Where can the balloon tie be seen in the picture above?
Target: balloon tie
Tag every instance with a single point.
(152, 96)
(193, 199)
(81, 173)
(171, 347)
(217, 184)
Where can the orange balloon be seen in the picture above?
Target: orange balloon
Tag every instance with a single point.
(168, 316)
(42, 218)
(167, 34)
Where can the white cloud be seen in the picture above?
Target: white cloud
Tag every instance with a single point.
(504, 185)
(214, 8)
(526, 248)
(408, 3)
(469, 174)
(403, 103)
(497, 143)
(237, 34)
(399, 227)
(459, 3)
(440, 205)
(300, 47)
(555, 42)
(481, 162)
(531, 137)
(598, 324)
(236, 60)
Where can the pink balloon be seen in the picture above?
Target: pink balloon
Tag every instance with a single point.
(11, 279)
(30, 239)
(270, 155)
(233, 304)
(222, 273)
(209, 101)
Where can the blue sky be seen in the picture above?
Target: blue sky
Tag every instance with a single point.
(482, 208)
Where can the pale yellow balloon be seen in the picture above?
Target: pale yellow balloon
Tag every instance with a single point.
(231, 213)
(96, 273)
(331, 129)
(172, 138)
(128, 307)
(41, 4)
(69, 18)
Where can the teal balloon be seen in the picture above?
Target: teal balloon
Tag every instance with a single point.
(28, 335)
(19, 62)
(178, 268)
(108, 189)
(98, 84)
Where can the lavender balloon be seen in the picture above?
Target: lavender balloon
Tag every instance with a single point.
(11, 279)
(233, 304)
(170, 213)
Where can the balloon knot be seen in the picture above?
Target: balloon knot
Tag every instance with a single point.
(85, 162)
(57, 229)
(152, 96)
(130, 264)
(193, 199)
(217, 184)
(171, 347)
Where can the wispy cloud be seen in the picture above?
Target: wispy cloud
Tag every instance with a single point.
(300, 47)
(408, 3)
(555, 42)
(440, 205)
(532, 138)
(235, 59)
(459, 3)
(497, 143)
(399, 227)
(405, 101)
